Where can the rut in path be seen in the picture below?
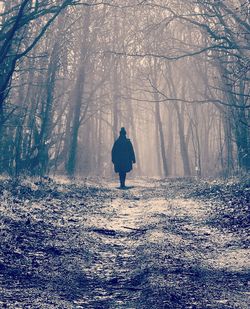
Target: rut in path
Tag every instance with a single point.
(135, 248)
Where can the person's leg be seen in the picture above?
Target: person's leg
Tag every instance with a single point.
(121, 179)
(122, 176)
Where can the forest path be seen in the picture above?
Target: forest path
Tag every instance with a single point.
(157, 252)
(144, 247)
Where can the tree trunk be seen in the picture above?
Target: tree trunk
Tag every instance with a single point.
(183, 146)
(161, 136)
(228, 140)
(71, 162)
(47, 115)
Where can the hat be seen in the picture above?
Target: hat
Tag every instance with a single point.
(123, 131)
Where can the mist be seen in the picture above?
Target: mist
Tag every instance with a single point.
(175, 74)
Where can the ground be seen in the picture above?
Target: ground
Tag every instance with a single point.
(173, 243)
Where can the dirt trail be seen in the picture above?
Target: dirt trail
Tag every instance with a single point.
(111, 248)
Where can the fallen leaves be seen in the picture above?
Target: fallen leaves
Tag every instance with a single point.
(161, 243)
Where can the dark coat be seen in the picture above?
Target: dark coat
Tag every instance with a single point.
(123, 155)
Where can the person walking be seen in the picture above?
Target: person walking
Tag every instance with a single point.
(123, 156)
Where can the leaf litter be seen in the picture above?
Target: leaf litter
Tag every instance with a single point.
(171, 243)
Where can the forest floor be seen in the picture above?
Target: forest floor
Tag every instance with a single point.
(174, 243)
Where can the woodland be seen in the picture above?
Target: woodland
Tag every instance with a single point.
(176, 75)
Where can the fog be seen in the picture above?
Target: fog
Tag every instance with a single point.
(175, 74)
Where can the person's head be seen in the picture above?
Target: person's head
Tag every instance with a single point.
(123, 132)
